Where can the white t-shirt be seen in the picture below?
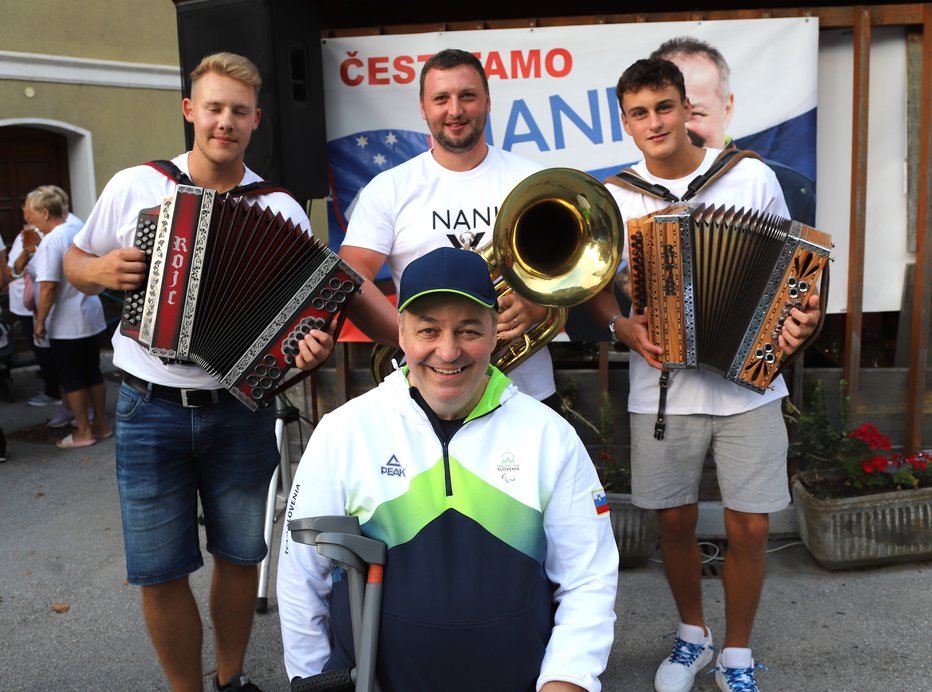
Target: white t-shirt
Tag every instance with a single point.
(419, 206)
(74, 315)
(749, 185)
(112, 225)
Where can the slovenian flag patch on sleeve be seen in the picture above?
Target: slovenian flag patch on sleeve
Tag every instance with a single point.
(600, 501)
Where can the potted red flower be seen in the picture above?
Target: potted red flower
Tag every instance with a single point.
(859, 501)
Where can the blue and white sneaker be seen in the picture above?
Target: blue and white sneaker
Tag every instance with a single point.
(734, 671)
(692, 651)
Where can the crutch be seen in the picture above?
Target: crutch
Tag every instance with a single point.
(338, 538)
(284, 414)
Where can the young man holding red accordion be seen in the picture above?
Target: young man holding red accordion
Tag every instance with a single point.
(180, 435)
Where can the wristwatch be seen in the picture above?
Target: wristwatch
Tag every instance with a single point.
(611, 327)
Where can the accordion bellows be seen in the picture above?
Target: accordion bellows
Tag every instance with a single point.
(232, 287)
(718, 283)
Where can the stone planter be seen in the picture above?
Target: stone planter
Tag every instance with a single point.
(636, 530)
(867, 530)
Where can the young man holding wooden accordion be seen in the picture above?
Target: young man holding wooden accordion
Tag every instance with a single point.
(180, 435)
(673, 425)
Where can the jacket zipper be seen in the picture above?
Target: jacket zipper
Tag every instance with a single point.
(447, 478)
(441, 436)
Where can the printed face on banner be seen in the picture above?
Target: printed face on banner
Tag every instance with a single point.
(455, 106)
(711, 106)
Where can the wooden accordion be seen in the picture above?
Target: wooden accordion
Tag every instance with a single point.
(717, 285)
(232, 287)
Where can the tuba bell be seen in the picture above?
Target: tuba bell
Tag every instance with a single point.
(556, 242)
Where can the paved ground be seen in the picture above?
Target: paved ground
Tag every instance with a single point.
(61, 550)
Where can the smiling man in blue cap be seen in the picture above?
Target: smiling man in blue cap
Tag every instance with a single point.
(502, 568)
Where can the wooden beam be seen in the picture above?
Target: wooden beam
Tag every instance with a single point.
(922, 295)
(829, 18)
(341, 363)
(856, 234)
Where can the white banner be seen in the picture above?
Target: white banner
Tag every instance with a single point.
(553, 95)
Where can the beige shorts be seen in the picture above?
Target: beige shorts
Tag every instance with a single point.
(749, 451)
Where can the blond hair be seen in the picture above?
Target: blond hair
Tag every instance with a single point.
(65, 200)
(229, 65)
(47, 198)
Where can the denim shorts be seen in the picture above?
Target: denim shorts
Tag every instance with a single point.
(750, 459)
(167, 457)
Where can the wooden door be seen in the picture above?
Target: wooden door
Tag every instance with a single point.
(29, 157)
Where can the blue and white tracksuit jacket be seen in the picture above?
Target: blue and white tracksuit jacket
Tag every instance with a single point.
(502, 567)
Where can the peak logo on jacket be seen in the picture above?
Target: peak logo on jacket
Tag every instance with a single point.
(393, 467)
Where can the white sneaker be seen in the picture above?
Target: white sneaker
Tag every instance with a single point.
(734, 670)
(692, 651)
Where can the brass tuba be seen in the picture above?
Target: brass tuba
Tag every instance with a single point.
(556, 242)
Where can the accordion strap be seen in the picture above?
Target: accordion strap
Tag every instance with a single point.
(660, 426)
(259, 187)
(629, 179)
(724, 162)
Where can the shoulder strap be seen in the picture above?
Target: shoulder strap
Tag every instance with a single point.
(628, 178)
(724, 162)
(170, 170)
(259, 187)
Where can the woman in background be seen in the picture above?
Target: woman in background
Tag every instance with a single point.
(71, 321)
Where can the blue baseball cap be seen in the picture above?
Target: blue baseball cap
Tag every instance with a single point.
(448, 270)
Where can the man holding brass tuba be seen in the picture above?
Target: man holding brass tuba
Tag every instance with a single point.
(446, 196)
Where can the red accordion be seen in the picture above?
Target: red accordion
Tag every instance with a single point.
(233, 287)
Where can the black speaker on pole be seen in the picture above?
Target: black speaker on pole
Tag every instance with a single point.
(282, 37)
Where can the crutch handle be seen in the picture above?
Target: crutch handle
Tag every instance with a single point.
(306, 529)
(331, 681)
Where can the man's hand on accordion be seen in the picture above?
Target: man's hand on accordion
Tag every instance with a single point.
(122, 269)
(800, 325)
(632, 331)
(315, 348)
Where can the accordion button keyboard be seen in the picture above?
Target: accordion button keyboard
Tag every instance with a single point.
(133, 301)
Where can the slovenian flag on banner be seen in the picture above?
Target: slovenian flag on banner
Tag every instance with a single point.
(600, 501)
